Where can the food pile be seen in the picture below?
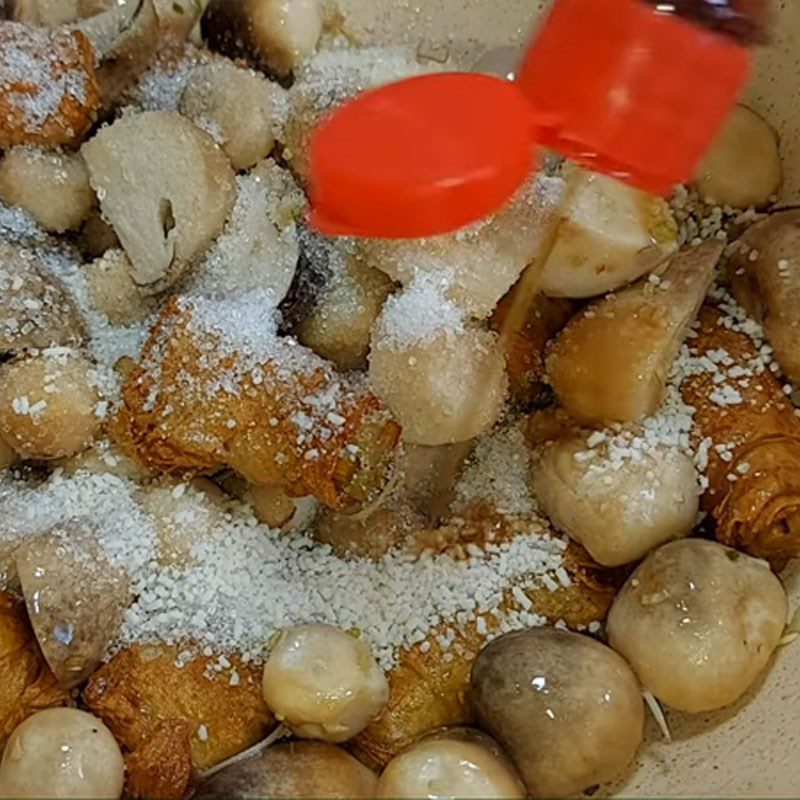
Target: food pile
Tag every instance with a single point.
(291, 516)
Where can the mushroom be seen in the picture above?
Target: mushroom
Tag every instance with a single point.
(324, 683)
(612, 361)
(610, 234)
(617, 508)
(743, 165)
(46, 13)
(275, 35)
(125, 40)
(35, 309)
(238, 107)
(75, 600)
(53, 187)
(698, 622)
(258, 249)
(62, 752)
(113, 291)
(183, 191)
(765, 279)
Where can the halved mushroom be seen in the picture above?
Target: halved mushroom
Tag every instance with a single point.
(125, 39)
(165, 187)
(35, 309)
(75, 600)
(743, 166)
(275, 35)
(610, 234)
(765, 278)
(258, 248)
(612, 361)
(53, 187)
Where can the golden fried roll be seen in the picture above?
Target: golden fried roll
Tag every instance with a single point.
(216, 387)
(49, 94)
(753, 471)
(26, 683)
(162, 766)
(428, 688)
(143, 687)
(525, 347)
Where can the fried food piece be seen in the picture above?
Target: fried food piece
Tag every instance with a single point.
(27, 684)
(525, 347)
(753, 471)
(218, 387)
(162, 766)
(49, 93)
(428, 689)
(142, 688)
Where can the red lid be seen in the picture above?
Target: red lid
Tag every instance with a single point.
(625, 89)
(420, 157)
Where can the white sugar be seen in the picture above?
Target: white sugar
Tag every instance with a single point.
(420, 314)
(498, 473)
(243, 582)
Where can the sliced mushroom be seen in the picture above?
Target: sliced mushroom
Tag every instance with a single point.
(238, 107)
(258, 248)
(125, 39)
(165, 187)
(765, 278)
(275, 35)
(610, 234)
(75, 600)
(52, 187)
(743, 166)
(35, 310)
(612, 361)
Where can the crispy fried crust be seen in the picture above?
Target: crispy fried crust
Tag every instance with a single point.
(161, 769)
(142, 688)
(759, 511)
(26, 683)
(428, 688)
(193, 406)
(49, 94)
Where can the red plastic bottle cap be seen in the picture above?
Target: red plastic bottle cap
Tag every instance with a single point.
(420, 157)
(630, 91)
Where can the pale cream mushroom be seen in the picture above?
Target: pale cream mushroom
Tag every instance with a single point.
(617, 507)
(698, 622)
(743, 165)
(442, 378)
(240, 109)
(610, 234)
(62, 753)
(765, 280)
(455, 762)
(323, 683)
(49, 406)
(276, 35)
(611, 362)
(182, 195)
(51, 186)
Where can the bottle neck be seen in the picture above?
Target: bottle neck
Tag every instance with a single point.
(743, 20)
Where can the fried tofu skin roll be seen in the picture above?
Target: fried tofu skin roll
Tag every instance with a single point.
(162, 766)
(144, 687)
(27, 684)
(217, 387)
(753, 471)
(49, 94)
(429, 686)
